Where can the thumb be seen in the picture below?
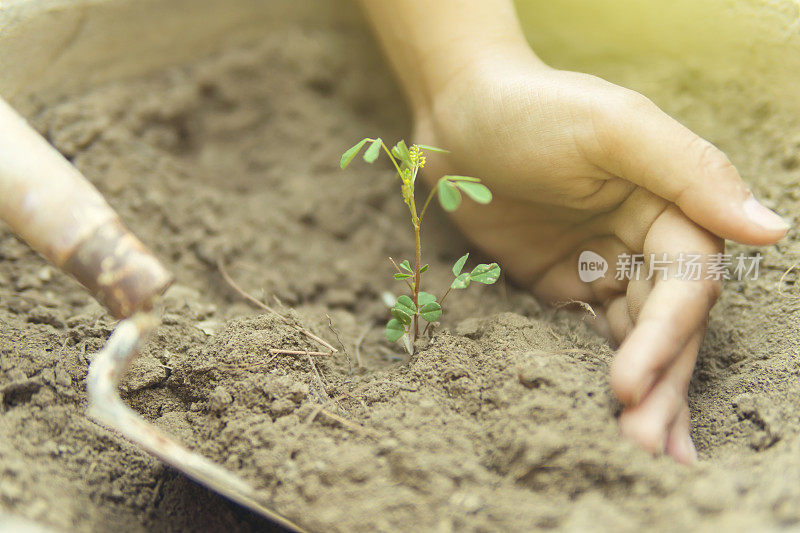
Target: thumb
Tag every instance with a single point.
(639, 142)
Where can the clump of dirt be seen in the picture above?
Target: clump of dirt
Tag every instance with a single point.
(504, 421)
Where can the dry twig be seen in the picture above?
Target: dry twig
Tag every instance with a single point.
(339, 338)
(783, 277)
(262, 305)
(322, 409)
(276, 352)
(297, 352)
(320, 383)
(223, 366)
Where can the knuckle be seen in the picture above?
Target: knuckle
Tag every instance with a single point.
(619, 103)
(635, 101)
(608, 113)
(709, 159)
(713, 288)
(706, 291)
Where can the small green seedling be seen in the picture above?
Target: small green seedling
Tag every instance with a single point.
(407, 310)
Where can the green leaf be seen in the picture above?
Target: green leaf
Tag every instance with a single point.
(423, 268)
(400, 151)
(405, 265)
(400, 314)
(478, 192)
(449, 196)
(407, 301)
(399, 275)
(486, 274)
(431, 311)
(406, 304)
(372, 152)
(461, 178)
(460, 264)
(432, 149)
(352, 153)
(394, 330)
(404, 309)
(425, 298)
(461, 281)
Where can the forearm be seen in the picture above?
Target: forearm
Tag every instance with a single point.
(429, 43)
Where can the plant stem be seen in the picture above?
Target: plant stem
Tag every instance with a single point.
(418, 259)
(427, 201)
(441, 301)
(416, 221)
(389, 153)
(417, 275)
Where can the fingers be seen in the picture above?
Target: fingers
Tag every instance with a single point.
(569, 279)
(636, 296)
(635, 140)
(623, 309)
(660, 421)
(679, 439)
(673, 312)
(619, 319)
(632, 220)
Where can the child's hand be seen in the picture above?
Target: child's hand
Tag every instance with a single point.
(576, 163)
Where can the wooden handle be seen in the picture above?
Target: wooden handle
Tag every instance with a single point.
(51, 205)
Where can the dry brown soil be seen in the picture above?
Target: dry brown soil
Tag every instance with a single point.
(503, 422)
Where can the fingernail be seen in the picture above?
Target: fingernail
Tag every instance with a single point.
(763, 216)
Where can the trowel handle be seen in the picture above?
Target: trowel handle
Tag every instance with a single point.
(47, 202)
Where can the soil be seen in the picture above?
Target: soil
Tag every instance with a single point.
(503, 421)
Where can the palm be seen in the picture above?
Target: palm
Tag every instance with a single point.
(537, 243)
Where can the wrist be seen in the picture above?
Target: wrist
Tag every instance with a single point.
(433, 44)
(468, 63)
